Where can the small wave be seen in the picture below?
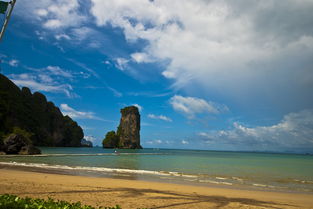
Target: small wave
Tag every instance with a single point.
(83, 168)
(259, 185)
(94, 154)
(215, 182)
(178, 174)
(209, 181)
(220, 178)
(303, 181)
(264, 185)
(237, 179)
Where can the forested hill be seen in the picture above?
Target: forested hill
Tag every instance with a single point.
(33, 114)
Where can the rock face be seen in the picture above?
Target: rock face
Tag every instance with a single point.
(128, 131)
(18, 144)
(129, 128)
(111, 140)
(86, 143)
(19, 108)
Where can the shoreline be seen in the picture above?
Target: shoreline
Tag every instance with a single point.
(145, 175)
(97, 191)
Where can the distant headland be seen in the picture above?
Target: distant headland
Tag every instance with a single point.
(39, 121)
(127, 135)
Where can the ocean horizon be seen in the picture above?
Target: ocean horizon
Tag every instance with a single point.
(236, 169)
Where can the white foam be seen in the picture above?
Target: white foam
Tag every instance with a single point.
(303, 181)
(259, 185)
(215, 182)
(236, 178)
(83, 168)
(220, 178)
(95, 154)
(209, 181)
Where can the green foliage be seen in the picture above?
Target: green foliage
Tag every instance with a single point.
(34, 114)
(1, 137)
(14, 202)
(26, 134)
(111, 140)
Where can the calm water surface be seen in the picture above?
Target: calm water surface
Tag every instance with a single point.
(282, 172)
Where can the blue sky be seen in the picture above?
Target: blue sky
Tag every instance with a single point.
(217, 75)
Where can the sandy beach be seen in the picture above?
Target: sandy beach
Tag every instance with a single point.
(141, 194)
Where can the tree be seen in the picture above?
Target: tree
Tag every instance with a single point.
(111, 140)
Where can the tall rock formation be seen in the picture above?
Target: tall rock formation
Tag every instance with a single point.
(129, 128)
(20, 109)
(128, 132)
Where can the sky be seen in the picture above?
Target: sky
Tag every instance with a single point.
(205, 74)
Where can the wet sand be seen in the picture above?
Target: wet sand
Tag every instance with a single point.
(141, 194)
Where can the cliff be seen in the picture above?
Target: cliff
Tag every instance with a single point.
(86, 143)
(19, 108)
(128, 131)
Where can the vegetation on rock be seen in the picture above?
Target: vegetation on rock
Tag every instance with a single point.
(127, 135)
(45, 123)
(111, 140)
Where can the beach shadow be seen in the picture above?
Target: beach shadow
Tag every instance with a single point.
(185, 199)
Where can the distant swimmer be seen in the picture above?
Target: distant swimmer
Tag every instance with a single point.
(116, 152)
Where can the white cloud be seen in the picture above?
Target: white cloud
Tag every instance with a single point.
(138, 106)
(90, 138)
(295, 130)
(52, 23)
(160, 117)
(158, 142)
(58, 71)
(140, 57)
(41, 12)
(13, 63)
(40, 34)
(114, 91)
(30, 82)
(83, 33)
(67, 110)
(222, 46)
(62, 36)
(184, 142)
(190, 106)
(121, 63)
(47, 79)
(52, 14)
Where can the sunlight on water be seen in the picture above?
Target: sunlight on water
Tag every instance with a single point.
(258, 170)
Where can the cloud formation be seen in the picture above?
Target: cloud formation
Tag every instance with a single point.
(51, 14)
(13, 63)
(184, 142)
(160, 117)
(90, 138)
(191, 106)
(158, 142)
(293, 132)
(222, 46)
(42, 82)
(67, 110)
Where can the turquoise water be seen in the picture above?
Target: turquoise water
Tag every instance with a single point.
(286, 172)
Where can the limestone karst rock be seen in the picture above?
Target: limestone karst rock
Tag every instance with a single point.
(129, 128)
(19, 108)
(127, 135)
(111, 140)
(19, 144)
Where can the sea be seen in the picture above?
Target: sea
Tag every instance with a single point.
(240, 170)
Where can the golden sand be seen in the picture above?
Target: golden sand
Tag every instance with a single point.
(141, 194)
